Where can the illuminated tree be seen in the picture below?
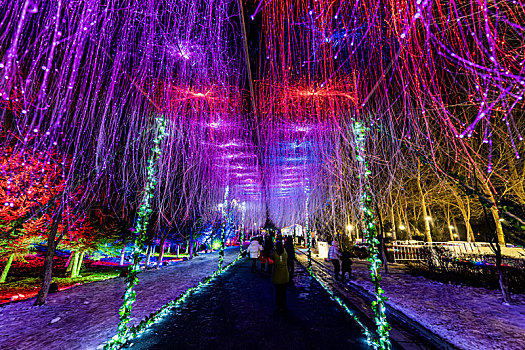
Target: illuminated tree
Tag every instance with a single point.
(29, 186)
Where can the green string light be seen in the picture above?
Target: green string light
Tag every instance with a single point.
(371, 233)
(373, 342)
(118, 341)
(140, 229)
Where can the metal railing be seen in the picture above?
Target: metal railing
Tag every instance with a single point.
(412, 250)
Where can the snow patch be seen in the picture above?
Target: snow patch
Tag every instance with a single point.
(89, 325)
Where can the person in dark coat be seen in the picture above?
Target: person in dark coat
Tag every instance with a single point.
(290, 252)
(268, 248)
(346, 263)
(280, 275)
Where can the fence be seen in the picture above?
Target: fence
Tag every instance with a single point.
(404, 251)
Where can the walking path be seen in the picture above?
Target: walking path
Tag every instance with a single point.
(237, 311)
(85, 317)
(467, 317)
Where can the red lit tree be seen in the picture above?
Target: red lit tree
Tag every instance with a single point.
(29, 186)
(34, 209)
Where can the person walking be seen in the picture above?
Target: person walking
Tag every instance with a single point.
(254, 249)
(280, 275)
(334, 255)
(267, 251)
(346, 263)
(290, 252)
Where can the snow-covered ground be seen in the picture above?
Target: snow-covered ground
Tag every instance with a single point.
(85, 317)
(470, 318)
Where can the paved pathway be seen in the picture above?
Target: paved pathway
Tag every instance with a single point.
(237, 311)
(404, 337)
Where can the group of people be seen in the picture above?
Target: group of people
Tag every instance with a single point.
(279, 259)
(342, 261)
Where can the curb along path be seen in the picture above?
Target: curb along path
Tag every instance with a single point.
(452, 315)
(405, 334)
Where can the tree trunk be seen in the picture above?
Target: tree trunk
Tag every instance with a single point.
(465, 211)
(493, 208)
(416, 220)
(464, 207)
(382, 243)
(503, 282)
(333, 210)
(79, 264)
(449, 226)
(450, 231)
(516, 180)
(122, 254)
(404, 216)
(69, 261)
(7, 267)
(191, 244)
(73, 266)
(400, 222)
(48, 262)
(393, 219)
(161, 252)
(153, 249)
(499, 227)
(428, 236)
(456, 238)
(496, 248)
(148, 254)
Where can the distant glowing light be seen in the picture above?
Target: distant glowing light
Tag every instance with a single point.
(295, 159)
(230, 144)
(302, 128)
